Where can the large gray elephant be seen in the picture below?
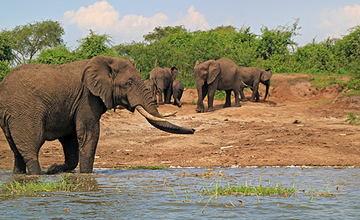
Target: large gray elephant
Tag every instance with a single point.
(212, 75)
(252, 77)
(42, 102)
(163, 79)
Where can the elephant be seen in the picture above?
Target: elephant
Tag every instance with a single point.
(251, 77)
(212, 75)
(163, 79)
(40, 102)
(178, 89)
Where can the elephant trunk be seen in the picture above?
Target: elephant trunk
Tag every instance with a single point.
(150, 112)
(267, 89)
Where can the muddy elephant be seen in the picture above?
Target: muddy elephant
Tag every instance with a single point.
(163, 79)
(252, 77)
(212, 75)
(41, 103)
(178, 89)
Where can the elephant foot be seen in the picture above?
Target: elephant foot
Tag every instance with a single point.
(199, 110)
(238, 105)
(227, 106)
(244, 100)
(54, 169)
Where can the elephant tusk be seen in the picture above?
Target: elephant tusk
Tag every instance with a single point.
(147, 115)
(169, 114)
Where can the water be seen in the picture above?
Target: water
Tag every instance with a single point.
(160, 194)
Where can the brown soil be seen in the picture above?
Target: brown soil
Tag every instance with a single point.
(298, 125)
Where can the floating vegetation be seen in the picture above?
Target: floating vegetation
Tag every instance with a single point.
(216, 190)
(29, 186)
(148, 168)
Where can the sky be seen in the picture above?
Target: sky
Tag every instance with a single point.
(128, 21)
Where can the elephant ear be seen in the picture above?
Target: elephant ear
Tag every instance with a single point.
(214, 70)
(266, 75)
(174, 72)
(97, 77)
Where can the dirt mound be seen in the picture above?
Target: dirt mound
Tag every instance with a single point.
(298, 88)
(297, 125)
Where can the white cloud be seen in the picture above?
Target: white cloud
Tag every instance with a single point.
(194, 20)
(336, 22)
(102, 18)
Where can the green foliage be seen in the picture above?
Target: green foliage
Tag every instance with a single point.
(30, 39)
(5, 49)
(56, 55)
(4, 69)
(321, 82)
(31, 187)
(277, 41)
(353, 119)
(94, 45)
(354, 83)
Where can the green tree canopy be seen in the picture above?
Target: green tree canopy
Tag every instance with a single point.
(5, 49)
(94, 45)
(30, 39)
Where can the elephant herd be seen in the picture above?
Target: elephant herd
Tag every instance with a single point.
(211, 75)
(41, 103)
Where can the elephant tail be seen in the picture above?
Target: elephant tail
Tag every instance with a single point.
(246, 85)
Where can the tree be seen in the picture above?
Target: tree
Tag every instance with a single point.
(5, 49)
(278, 40)
(94, 45)
(30, 39)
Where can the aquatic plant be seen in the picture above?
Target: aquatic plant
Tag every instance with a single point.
(31, 186)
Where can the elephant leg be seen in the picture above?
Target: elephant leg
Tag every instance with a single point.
(254, 93)
(71, 152)
(19, 163)
(202, 92)
(241, 91)
(88, 137)
(211, 95)
(257, 97)
(161, 94)
(167, 95)
(26, 147)
(227, 99)
(237, 100)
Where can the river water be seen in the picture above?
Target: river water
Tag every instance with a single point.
(176, 194)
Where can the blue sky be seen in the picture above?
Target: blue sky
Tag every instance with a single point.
(127, 21)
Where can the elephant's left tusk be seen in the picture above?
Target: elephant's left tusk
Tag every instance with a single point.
(147, 115)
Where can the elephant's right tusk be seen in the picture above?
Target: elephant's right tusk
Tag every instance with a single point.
(147, 115)
(169, 114)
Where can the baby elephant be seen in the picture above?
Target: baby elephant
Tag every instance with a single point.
(178, 89)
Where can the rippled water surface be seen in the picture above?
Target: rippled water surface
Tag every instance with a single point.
(176, 194)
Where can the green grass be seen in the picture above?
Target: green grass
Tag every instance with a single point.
(31, 186)
(321, 82)
(353, 119)
(148, 168)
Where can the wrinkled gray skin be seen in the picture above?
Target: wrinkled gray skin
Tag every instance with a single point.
(252, 77)
(212, 75)
(178, 89)
(163, 79)
(41, 103)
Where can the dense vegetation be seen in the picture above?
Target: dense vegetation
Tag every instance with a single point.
(168, 46)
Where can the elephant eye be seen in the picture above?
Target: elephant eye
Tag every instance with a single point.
(129, 83)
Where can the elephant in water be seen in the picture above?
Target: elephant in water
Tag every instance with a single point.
(251, 77)
(41, 102)
(163, 79)
(212, 75)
